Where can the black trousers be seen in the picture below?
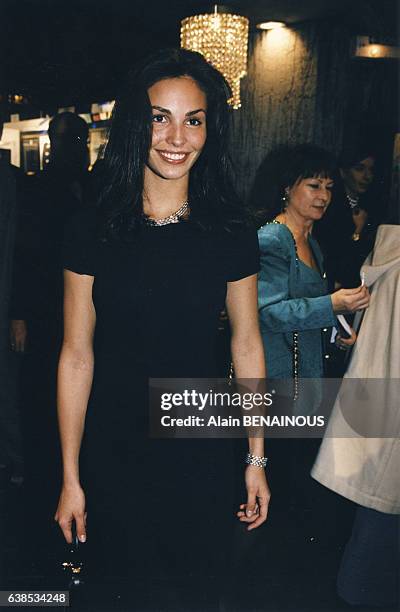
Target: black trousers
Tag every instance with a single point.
(370, 568)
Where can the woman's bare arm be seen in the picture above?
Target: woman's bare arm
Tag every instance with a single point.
(249, 363)
(246, 343)
(75, 375)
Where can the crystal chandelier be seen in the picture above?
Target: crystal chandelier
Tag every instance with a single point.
(222, 38)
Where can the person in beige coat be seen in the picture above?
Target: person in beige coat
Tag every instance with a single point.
(359, 457)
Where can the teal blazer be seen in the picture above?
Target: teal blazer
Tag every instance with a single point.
(292, 297)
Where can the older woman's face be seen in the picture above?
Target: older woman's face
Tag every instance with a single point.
(359, 177)
(179, 127)
(310, 197)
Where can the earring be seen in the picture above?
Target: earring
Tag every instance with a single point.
(285, 199)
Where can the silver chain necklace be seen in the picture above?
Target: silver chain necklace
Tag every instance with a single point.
(353, 201)
(175, 217)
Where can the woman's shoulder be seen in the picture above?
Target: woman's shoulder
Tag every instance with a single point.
(236, 249)
(275, 235)
(274, 229)
(80, 250)
(233, 235)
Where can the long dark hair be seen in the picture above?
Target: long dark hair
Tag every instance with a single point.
(212, 198)
(282, 168)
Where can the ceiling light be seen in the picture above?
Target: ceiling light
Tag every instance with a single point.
(223, 39)
(270, 25)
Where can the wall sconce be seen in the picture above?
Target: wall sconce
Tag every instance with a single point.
(223, 40)
(363, 47)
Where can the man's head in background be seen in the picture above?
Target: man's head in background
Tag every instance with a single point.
(68, 135)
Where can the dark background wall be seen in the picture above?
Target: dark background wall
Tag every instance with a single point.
(303, 85)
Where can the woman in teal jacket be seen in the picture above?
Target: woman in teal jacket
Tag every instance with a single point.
(292, 191)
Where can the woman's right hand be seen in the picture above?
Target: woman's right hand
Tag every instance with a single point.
(71, 507)
(350, 300)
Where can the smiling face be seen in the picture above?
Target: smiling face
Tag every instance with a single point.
(179, 127)
(358, 178)
(309, 198)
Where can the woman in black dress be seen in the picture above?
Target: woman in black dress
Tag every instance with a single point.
(347, 232)
(147, 273)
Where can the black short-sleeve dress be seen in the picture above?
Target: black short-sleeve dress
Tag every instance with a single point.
(157, 300)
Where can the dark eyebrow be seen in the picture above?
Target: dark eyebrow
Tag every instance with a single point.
(163, 110)
(189, 114)
(199, 110)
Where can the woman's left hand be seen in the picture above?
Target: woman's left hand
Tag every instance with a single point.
(255, 510)
(345, 343)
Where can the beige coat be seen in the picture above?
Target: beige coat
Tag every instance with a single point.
(366, 470)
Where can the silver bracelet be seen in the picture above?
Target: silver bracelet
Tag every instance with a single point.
(256, 460)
